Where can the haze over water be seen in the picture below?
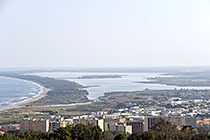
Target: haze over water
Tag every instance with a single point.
(104, 85)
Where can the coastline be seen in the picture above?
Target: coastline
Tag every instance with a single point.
(38, 96)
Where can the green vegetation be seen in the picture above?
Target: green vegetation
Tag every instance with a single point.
(120, 136)
(162, 131)
(150, 98)
(183, 79)
(167, 131)
(108, 136)
(178, 81)
(78, 132)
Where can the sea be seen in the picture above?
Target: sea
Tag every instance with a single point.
(13, 91)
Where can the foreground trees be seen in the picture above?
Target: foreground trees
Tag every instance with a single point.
(78, 132)
(162, 131)
(167, 131)
(120, 136)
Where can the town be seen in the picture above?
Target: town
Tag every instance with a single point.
(129, 120)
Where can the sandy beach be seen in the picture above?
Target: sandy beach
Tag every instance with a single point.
(39, 95)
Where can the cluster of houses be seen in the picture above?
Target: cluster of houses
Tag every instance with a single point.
(129, 120)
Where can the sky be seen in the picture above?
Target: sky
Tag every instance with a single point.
(104, 33)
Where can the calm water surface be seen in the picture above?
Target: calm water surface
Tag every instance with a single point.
(126, 83)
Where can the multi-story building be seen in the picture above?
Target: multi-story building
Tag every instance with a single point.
(176, 120)
(10, 127)
(190, 121)
(56, 122)
(54, 125)
(150, 121)
(137, 126)
(94, 121)
(34, 125)
(118, 127)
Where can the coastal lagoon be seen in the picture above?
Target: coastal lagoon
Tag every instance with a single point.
(99, 86)
(13, 91)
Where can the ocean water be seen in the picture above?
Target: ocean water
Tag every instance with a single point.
(126, 83)
(13, 91)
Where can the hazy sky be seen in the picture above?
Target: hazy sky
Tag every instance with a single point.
(104, 33)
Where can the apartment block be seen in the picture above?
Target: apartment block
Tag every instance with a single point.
(137, 126)
(151, 121)
(34, 125)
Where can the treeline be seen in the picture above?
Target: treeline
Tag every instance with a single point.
(46, 81)
(162, 131)
(167, 131)
(78, 132)
(183, 93)
(179, 81)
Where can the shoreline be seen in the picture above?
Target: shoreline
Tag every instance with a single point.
(199, 87)
(36, 97)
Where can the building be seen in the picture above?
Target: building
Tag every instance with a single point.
(55, 122)
(189, 121)
(128, 129)
(151, 121)
(10, 127)
(203, 123)
(176, 120)
(118, 127)
(1, 133)
(34, 125)
(86, 121)
(54, 125)
(137, 126)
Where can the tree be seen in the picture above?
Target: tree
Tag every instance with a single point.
(200, 137)
(188, 130)
(149, 135)
(120, 136)
(83, 132)
(62, 133)
(205, 129)
(31, 135)
(165, 126)
(135, 136)
(165, 130)
(96, 132)
(108, 136)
